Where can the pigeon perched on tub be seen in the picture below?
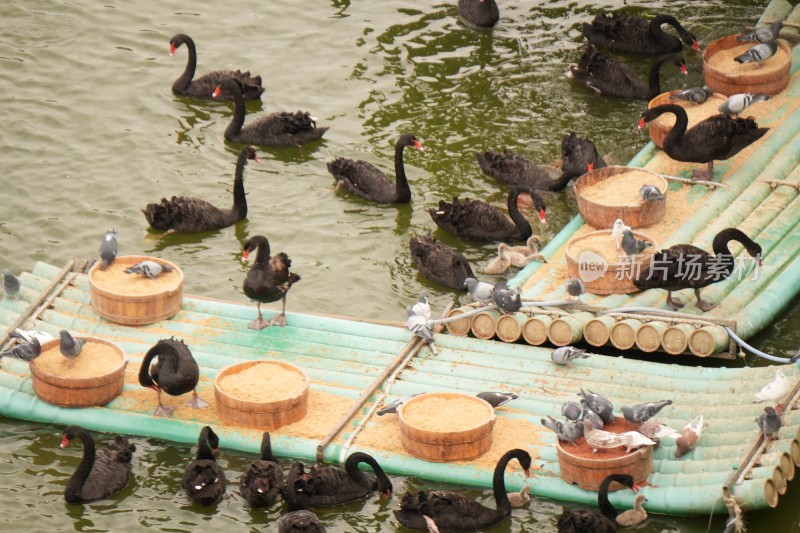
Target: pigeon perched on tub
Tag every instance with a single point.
(496, 399)
(737, 103)
(392, 407)
(759, 53)
(650, 193)
(617, 230)
(108, 249)
(149, 269)
(571, 410)
(568, 431)
(631, 245)
(643, 412)
(600, 405)
(696, 95)
(762, 35)
(69, 346)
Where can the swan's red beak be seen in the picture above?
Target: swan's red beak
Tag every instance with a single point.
(590, 167)
(216, 92)
(542, 216)
(758, 260)
(418, 146)
(64, 441)
(695, 46)
(527, 472)
(245, 255)
(171, 49)
(635, 488)
(684, 70)
(256, 159)
(642, 123)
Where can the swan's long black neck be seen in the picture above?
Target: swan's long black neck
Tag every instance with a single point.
(499, 482)
(681, 122)
(606, 508)
(145, 379)
(262, 252)
(401, 184)
(239, 200)
(191, 65)
(654, 80)
(75, 485)
(289, 491)
(351, 467)
(266, 448)
(723, 254)
(523, 226)
(237, 121)
(204, 450)
(659, 20)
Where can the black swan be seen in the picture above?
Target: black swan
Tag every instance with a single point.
(367, 181)
(440, 263)
(579, 156)
(203, 86)
(608, 76)
(204, 480)
(300, 522)
(518, 171)
(262, 481)
(186, 214)
(483, 13)
(585, 520)
(474, 219)
(454, 512)
(685, 266)
(101, 472)
(276, 129)
(327, 485)
(635, 35)
(268, 280)
(176, 372)
(717, 137)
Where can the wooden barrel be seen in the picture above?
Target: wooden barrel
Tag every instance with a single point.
(771, 495)
(534, 331)
(598, 330)
(565, 330)
(459, 328)
(675, 339)
(648, 336)
(77, 391)
(484, 324)
(779, 480)
(786, 465)
(509, 327)
(729, 77)
(660, 127)
(794, 451)
(588, 473)
(442, 445)
(269, 414)
(708, 340)
(602, 215)
(132, 299)
(623, 333)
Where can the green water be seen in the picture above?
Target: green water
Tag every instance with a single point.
(91, 133)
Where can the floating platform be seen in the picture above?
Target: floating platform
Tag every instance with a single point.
(354, 367)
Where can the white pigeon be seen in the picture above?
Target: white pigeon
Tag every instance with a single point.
(690, 435)
(636, 440)
(617, 231)
(29, 335)
(480, 291)
(774, 391)
(421, 308)
(418, 325)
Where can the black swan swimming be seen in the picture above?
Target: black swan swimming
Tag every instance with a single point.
(608, 76)
(475, 219)
(262, 481)
(176, 372)
(204, 480)
(276, 129)
(203, 86)
(518, 171)
(440, 263)
(685, 266)
(268, 280)
(101, 472)
(717, 137)
(483, 13)
(300, 522)
(186, 214)
(579, 156)
(635, 35)
(586, 520)
(367, 181)
(327, 485)
(452, 511)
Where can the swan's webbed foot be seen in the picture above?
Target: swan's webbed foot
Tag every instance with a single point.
(278, 320)
(702, 304)
(675, 304)
(197, 402)
(706, 174)
(164, 410)
(258, 324)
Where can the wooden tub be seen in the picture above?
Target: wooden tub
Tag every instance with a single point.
(726, 76)
(634, 212)
(660, 127)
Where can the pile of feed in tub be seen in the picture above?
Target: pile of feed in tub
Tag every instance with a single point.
(446, 414)
(582, 449)
(622, 188)
(96, 359)
(694, 112)
(264, 382)
(114, 280)
(723, 61)
(603, 245)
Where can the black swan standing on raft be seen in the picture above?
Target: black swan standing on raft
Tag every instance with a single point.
(262, 481)
(451, 511)
(204, 480)
(176, 372)
(268, 280)
(327, 485)
(685, 266)
(483, 13)
(203, 86)
(186, 214)
(276, 129)
(608, 76)
(717, 137)
(367, 181)
(630, 34)
(585, 520)
(440, 263)
(101, 472)
(475, 219)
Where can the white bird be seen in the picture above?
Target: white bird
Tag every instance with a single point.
(617, 230)
(737, 103)
(636, 440)
(775, 390)
(566, 354)
(690, 435)
(29, 335)
(655, 429)
(480, 291)
(108, 249)
(599, 439)
(418, 325)
(422, 308)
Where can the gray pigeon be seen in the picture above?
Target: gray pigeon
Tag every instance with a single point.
(418, 325)
(69, 346)
(108, 249)
(650, 193)
(762, 35)
(566, 354)
(696, 95)
(392, 407)
(643, 412)
(599, 405)
(11, 284)
(631, 245)
(770, 423)
(591, 416)
(507, 300)
(479, 290)
(567, 431)
(25, 350)
(758, 53)
(496, 399)
(149, 269)
(737, 103)
(575, 288)
(571, 410)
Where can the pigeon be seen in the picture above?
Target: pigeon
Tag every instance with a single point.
(644, 411)
(421, 308)
(418, 325)
(656, 430)
(598, 439)
(636, 440)
(27, 350)
(11, 284)
(29, 335)
(696, 95)
(575, 288)
(571, 410)
(690, 434)
(392, 407)
(567, 431)
(616, 232)
(758, 53)
(519, 499)
(770, 423)
(600, 405)
(496, 399)
(566, 354)
(108, 249)
(480, 291)
(591, 416)
(737, 103)
(631, 245)
(762, 35)
(70, 347)
(775, 390)
(650, 193)
(507, 300)
(148, 269)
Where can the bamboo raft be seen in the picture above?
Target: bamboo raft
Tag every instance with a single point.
(354, 367)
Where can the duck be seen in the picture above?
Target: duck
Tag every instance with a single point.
(518, 171)
(300, 522)
(481, 13)
(276, 129)
(475, 219)
(268, 280)
(367, 181)
(452, 511)
(203, 479)
(499, 264)
(328, 485)
(667, 271)
(203, 86)
(262, 481)
(440, 263)
(187, 214)
(610, 77)
(717, 137)
(175, 372)
(101, 472)
(585, 520)
(579, 156)
(630, 34)
(634, 516)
